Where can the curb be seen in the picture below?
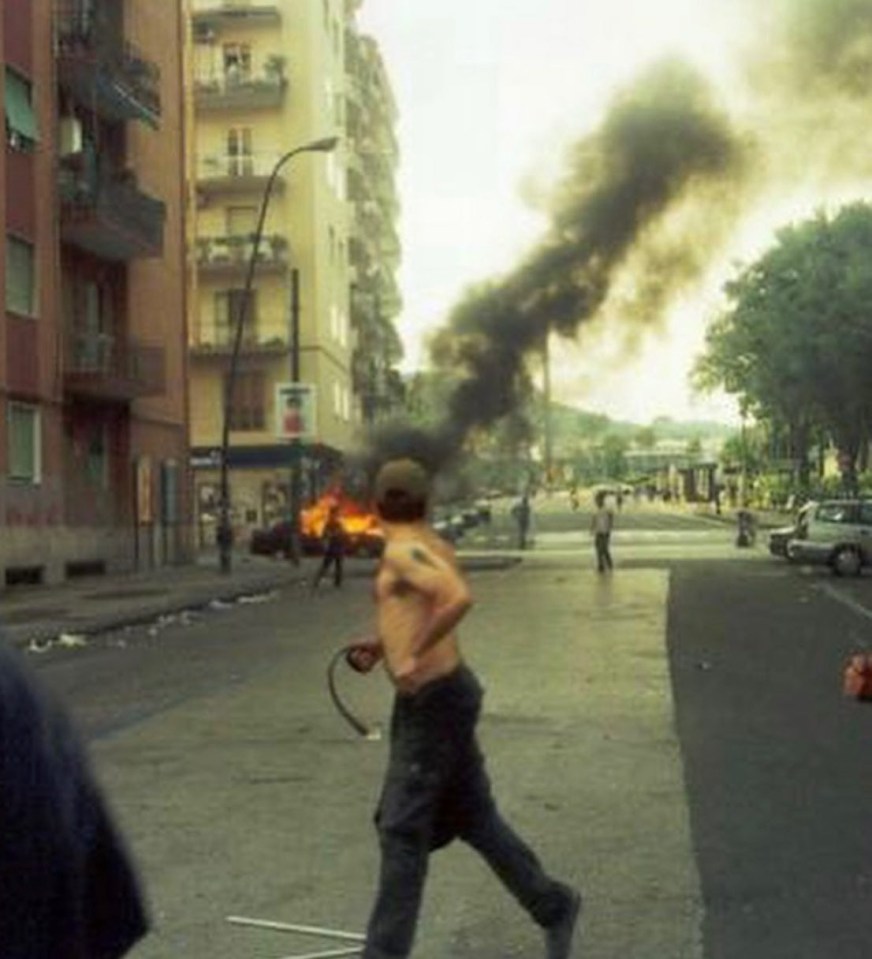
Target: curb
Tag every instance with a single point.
(193, 601)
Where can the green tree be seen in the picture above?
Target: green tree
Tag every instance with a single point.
(614, 449)
(645, 438)
(795, 342)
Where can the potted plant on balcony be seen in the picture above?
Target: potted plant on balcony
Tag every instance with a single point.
(274, 69)
(238, 245)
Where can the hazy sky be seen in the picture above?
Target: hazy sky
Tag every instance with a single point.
(491, 93)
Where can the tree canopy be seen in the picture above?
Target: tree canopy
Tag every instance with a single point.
(795, 342)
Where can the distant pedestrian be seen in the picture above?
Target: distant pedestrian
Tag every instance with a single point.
(573, 498)
(333, 538)
(67, 887)
(601, 524)
(522, 511)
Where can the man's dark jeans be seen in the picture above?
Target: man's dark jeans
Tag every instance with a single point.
(436, 789)
(603, 554)
(332, 557)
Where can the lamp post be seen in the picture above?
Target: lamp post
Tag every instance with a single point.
(225, 532)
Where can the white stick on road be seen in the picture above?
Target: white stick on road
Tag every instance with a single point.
(328, 953)
(294, 927)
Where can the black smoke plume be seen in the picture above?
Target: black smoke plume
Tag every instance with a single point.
(650, 199)
(663, 138)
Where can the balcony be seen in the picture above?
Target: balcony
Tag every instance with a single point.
(101, 69)
(211, 14)
(225, 257)
(237, 173)
(102, 366)
(257, 339)
(240, 90)
(105, 213)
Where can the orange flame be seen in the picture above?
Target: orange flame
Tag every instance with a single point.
(356, 519)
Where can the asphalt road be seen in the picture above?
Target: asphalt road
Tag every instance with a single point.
(673, 736)
(778, 763)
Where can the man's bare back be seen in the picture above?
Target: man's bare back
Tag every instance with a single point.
(420, 597)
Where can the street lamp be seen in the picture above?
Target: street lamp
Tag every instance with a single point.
(225, 532)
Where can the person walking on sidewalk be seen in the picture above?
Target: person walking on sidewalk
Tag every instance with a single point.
(601, 524)
(522, 512)
(436, 788)
(333, 537)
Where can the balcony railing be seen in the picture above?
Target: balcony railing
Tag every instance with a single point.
(208, 12)
(237, 173)
(227, 90)
(107, 214)
(227, 255)
(109, 367)
(101, 68)
(217, 340)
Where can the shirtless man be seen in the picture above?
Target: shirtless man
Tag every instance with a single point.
(436, 788)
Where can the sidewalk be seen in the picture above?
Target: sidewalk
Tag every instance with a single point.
(37, 614)
(766, 519)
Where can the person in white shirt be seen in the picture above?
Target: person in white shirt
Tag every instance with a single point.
(601, 524)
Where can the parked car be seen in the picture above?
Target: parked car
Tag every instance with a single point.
(450, 527)
(275, 540)
(782, 535)
(836, 533)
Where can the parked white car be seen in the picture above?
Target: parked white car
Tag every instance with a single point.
(780, 538)
(835, 533)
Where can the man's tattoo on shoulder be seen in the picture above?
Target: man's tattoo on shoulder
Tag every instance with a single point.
(423, 557)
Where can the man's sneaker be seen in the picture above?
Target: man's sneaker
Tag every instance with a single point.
(558, 937)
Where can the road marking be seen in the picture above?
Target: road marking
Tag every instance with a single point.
(848, 601)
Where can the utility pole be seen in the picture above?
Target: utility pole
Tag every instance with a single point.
(296, 444)
(546, 390)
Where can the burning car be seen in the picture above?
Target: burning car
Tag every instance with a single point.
(364, 536)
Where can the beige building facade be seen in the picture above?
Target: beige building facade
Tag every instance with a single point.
(268, 79)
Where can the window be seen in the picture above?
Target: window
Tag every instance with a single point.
(21, 129)
(835, 513)
(97, 461)
(237, 62)
(24, 443)
(344, 328)
(241, 220)
(239, 158)
(339, 177)
(228, 304)
(247, 408)
(19, 276)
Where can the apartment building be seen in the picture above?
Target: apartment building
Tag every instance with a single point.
(269, 77)
(93, 404)
(374, 243)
